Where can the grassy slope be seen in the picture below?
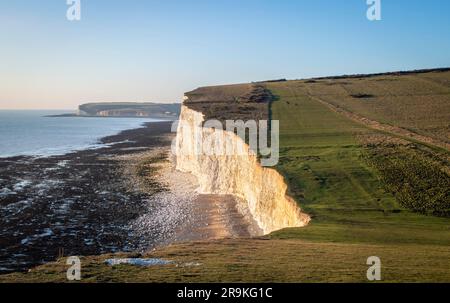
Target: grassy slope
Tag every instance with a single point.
(418, 102)
(321, 159)
(262, 261)
(353, 218)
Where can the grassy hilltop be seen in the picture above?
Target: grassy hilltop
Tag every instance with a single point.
(366, 156)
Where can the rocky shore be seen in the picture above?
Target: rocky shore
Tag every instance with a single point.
(123, 197)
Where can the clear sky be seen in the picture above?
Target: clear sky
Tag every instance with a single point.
(154, 50)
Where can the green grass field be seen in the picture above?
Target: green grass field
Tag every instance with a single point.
(336, 171)
(321, 158)
(417, 102)
(261, 261)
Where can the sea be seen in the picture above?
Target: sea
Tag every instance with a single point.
(56, 201)
(33, 133)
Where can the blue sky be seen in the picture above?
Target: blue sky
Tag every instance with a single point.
(148, 50)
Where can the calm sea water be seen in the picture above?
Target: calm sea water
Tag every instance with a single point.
(31, 133)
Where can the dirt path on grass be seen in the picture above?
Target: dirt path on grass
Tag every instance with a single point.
(394, 130)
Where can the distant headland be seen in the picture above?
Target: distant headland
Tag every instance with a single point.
(127, 109)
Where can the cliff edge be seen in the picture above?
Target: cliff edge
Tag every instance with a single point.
(239, 174)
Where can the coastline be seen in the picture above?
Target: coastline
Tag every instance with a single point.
(31, 133)
(75, 202)
(123, 197)
(162, 118)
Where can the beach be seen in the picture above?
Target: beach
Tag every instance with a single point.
(123, 197)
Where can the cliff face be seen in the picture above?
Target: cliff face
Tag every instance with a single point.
(240, 174)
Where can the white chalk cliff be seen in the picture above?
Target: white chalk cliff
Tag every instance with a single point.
(264, 189)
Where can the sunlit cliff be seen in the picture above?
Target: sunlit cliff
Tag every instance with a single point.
(239, 174)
